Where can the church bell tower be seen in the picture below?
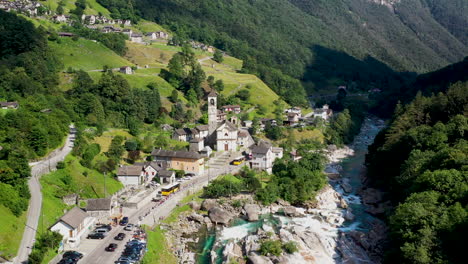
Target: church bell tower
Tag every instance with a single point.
(212, 112)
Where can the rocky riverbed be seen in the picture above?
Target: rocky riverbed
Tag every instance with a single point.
(338, 228)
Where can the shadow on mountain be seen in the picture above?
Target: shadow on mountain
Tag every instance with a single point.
(331, 68)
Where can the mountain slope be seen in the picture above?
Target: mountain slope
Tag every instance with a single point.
(401, 35)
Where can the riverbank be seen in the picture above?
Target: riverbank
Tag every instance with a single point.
(336, 228)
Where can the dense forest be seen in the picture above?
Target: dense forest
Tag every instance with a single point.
(421, 161)
(319, 44)
(29, 76)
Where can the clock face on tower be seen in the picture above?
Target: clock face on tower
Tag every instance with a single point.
(212, 102)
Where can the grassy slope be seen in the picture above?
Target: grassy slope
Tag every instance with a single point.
(92, 8)
(91, 186)
(86, 54)
(11, 231)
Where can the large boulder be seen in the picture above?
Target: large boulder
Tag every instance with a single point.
(252, 211)
(252, 243)
(257, 259)
(194, 205)
(196, 217)
(232, 252)
(346, 186)
(208, 204)
(371, 196)
(291, 211)
(219, 216)
(349, 215)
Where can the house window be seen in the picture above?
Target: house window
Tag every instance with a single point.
(152, 173)
(264, 158)
(226, 135)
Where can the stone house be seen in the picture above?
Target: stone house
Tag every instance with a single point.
(126, 70)
(295, 110)
(325, 112)
(136, 174)
(151, 35)
(137, 38)
(162, 35)
(101, 208)
(127, 32)
(60, 18)
(73, 226)
(263, 155)
(71, 199)
(189, 161)
(203, 131)
(247, 123)
(196, 144)
(244, 139)
(166, 176)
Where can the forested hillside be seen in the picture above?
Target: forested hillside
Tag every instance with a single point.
(421, 161)
(323, 43)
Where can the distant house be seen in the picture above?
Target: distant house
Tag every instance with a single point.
(162, 35)
(60, 18)
(90, 20)
(221, 116)
(151, 35)
(295, 110)
(202, 131)
(73, 225)
(325, 112)
(101, 208)
(231, 108)
(206, 151)
(9, 105)
(263, 155)
(127, 22)
(127, 32)
(166, 176)
(189, 161)
(137, 38)
(70, 199)
(107, 29)
(167, 127)
(247, 123)
(184, 134)
(126, 70)
(295, 156)
(293, 118)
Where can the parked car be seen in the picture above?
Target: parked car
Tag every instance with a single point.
(111, 247)
(124, 221)
(67, 261)
(101, 230)
(189, 174)
(73, 255)
(107, 227)
(96, 236)
(129, 227)
(120, 236)
(126, 260)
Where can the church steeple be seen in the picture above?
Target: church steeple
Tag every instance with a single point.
(212, 112)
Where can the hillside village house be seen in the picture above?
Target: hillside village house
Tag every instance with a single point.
(295, 110)
(226, 137)
(73, 225)
(101, 208)
(9, 105)
(325, 112)
(166, 176)
(236, 109)
(126, 70)
(127, 32)
(263, 155)
(189, 161)
(137, 38)
(136, 174)
(162, 35)
(196, 144)
(244, 139)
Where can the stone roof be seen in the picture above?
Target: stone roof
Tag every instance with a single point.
(277, 150)
(202, 127)
(166, 173)
(212, 94)
(196, 140)
(129, 171)
(230, 126)
(74, 217)
(230, 106)
(243, 133)
(101, 204)
(5, 104)
(175, 154)
(260, 149)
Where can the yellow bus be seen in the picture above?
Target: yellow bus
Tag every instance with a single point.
(238, 160)
(167, 190)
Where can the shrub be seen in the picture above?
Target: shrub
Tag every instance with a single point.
(290, 247)
(61, 165)
(272, 247)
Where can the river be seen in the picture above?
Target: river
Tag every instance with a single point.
(323, 234)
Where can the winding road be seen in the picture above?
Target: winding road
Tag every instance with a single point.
(38, 169)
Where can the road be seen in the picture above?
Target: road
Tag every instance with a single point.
(38, 169)
(93, 250)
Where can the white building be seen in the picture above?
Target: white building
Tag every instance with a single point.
(73, 225)
(126, 70)
(137, 38)
(264, 155)
(325, 112)
(226, 137)
(244, 138)
(136, 174)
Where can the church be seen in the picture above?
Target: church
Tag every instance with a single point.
(222, 134)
